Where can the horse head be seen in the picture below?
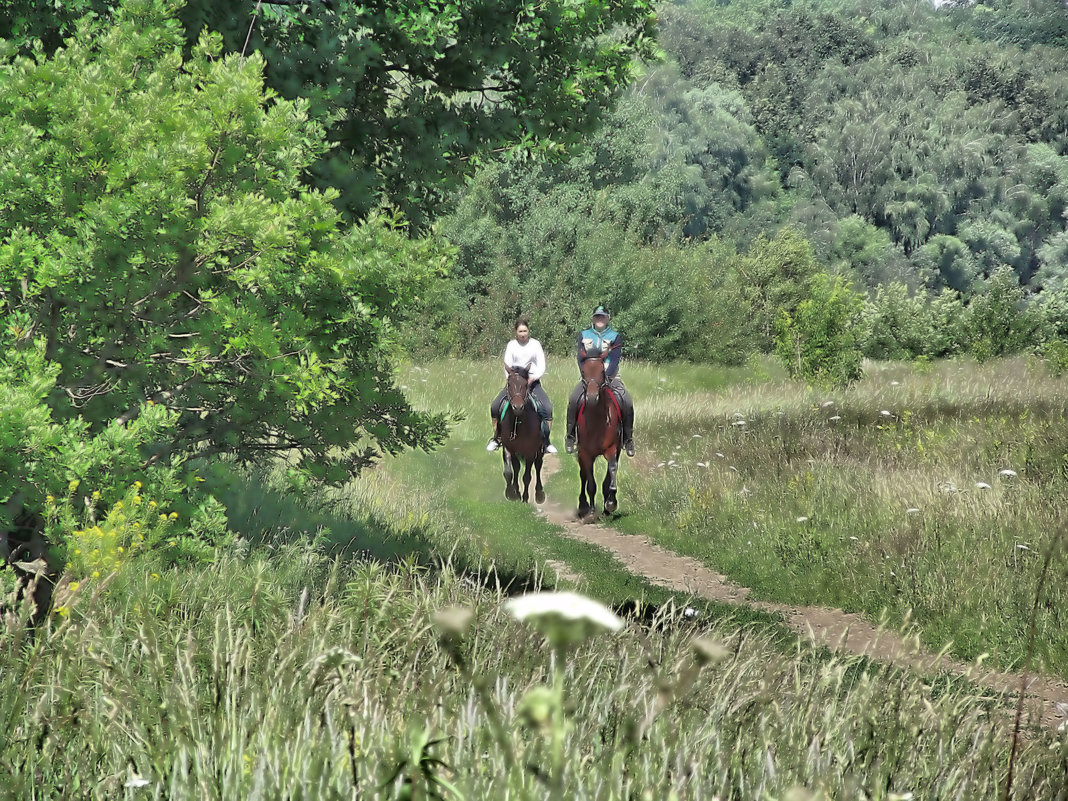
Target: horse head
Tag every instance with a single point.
(517, 392)
(593, 377)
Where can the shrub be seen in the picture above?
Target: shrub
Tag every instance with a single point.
(97, 488)
(998, 321)
(818, 342)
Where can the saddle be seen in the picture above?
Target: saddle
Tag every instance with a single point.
(530, 398)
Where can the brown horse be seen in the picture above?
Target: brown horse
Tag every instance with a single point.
(600, 433)
(521, 439)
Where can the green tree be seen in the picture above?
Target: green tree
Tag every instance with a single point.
(157, 240)
(777, 276)
(818, 341)
(416, 92)
(998, 320)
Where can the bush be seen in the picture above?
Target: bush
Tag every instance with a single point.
(998, 321)
(818, 342)
(95, 493)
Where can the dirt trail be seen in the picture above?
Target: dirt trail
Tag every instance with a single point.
(1046, 698)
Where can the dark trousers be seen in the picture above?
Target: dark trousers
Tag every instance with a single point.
(626, 405)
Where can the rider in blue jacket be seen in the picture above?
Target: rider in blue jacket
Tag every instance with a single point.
(601, 338)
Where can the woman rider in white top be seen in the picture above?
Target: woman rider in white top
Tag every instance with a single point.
(526, 356)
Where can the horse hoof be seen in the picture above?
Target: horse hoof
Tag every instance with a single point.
(609, 507)
(511, 494)
(583, 511)
(539, 497)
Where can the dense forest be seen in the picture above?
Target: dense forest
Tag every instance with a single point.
(919, 153)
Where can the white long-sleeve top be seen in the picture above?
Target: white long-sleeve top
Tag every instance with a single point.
(529, 357)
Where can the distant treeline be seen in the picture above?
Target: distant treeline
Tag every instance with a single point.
(920, 154)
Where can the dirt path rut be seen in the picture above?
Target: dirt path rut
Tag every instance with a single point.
(1046, 699)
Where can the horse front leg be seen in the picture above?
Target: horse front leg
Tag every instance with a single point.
(526, 480)
(511, 475)
(608, 490)
(539, 490)
(587, 486)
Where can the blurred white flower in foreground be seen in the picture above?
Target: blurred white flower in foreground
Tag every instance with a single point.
(137, 781)
(563, 618)
(1007, 473)
(981, 485)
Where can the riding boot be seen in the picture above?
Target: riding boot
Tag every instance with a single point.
(546, 427)
(572, 422)
(628, 427)
(495, 440)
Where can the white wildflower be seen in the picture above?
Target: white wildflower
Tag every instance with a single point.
(886, 413)
(981, 485)
(137, 781)
(738, 423)
(835, 418)
(802, 519)
(563, 618)
(1007, 473)
(912, 510)
(826, 403)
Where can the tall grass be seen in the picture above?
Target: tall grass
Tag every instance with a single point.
(922, 494)
(287, 675)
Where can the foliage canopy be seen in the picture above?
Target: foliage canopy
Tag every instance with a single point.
(415, 93)
(155, 236)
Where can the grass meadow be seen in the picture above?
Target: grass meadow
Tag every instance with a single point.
(315, 662)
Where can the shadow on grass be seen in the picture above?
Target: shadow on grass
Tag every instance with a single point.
(264, 514)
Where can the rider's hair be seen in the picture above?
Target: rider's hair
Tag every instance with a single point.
(522, 321)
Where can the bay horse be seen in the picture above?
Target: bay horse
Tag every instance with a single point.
(600, 433)
(521, 440)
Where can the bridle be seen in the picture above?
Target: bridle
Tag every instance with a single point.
(601, 383)
(517, 412)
